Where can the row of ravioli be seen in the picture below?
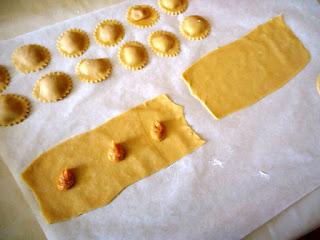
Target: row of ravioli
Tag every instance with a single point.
(74, 42)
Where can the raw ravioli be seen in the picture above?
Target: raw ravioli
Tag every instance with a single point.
(52, 87)
(30, 58)
(142, 16)
(133, 55)
(195, 27)
(93, 70)
(73, 43)
(4, 78)
(13, 109)
(173, 7)
(109, 33)
(164, 43)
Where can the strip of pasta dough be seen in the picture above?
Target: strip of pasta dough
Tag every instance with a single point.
(97, 179)
(239, 74)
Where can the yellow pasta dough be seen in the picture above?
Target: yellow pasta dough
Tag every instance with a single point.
(133, 55)
(93, 70)
(97, 179)
(52, 87)
(13, 109)
(164, 44)
(241, 73)
(4, 78)
(142, 16)
(73, 43)
(109, 33)
(173, 7)
(195, 27)
(30, 58)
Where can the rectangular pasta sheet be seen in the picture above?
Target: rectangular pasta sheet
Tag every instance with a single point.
(98, 180)
(241, 73)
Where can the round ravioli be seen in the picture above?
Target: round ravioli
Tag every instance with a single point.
(133, 55)
(4, 78)
(142, 16)
(30, 58)
(93, 70)
(173, 7)
(195, 27)
(52, 87)
(73, 43)
(13, 109)
(164, 44)
(109, 33)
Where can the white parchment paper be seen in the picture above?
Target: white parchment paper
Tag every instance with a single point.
(256, 162)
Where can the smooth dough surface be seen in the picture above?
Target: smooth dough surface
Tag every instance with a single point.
(164, 43)
(195, 27)
(99, 180)
(109, 33)
(93, 70)
(133, 55)
(239, 74)
(52, 87)
(73, 43)
(30, 58)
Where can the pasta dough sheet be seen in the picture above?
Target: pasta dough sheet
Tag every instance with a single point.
(241, 73)
(98, 180)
